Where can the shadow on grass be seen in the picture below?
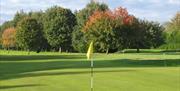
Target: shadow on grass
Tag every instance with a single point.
(11, 67)
(38, 57)
(19, 86)
(164, 53)
(13, 76)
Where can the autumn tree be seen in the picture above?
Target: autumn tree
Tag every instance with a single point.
(79, 41)
(8, 38)
(99, 29)
(104, 28)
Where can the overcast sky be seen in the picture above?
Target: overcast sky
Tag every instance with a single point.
(156, 10)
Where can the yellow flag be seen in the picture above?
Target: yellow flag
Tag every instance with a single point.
(90, 51)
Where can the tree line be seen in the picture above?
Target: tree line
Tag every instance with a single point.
(60, 29)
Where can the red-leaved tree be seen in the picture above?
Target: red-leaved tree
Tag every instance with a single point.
(104, 27)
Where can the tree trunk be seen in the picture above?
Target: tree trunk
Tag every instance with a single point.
(138, 50)
(107, 51)
(28, 52)
(8, 50)
(60, 49)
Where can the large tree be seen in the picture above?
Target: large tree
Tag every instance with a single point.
(58, 26)
(105, 28)
(144, 34)
(39, 16)
(79, 41)
(29, 34)
(99, 28)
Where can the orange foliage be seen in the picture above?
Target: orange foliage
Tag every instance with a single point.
(8, 37)
(96, 16)
(123, 14)
(120, 14)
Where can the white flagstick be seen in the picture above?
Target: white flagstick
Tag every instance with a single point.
(91, 74)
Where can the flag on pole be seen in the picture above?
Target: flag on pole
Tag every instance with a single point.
(90, 51)
(89, 57)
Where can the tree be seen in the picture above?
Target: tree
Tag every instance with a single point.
(4, 26)
(104, 28)
(144, 34)
(8, 38)
(122, 27)
(58, 27)
(39, 16)
(79, 41)
(13, 23)
(29, 34)
(172, 33)
(99, 29)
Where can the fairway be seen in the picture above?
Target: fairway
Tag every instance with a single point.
(71, 72)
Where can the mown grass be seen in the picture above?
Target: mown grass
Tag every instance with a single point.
(52, 71)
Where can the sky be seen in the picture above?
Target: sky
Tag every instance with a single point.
(153, 10)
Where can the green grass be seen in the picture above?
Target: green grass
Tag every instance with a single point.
(163, 50)
(50, 71)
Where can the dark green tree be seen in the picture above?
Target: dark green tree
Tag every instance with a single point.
(58, 26)
(39, 17)
(144, 34)
(29, 34)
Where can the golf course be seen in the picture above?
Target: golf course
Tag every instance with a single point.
(89, 45)
(53, 71)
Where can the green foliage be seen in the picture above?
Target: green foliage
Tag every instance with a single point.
(63, 29)
(37, 15)
(83, 15)
(5, 25)
(145, 34)
(29, 34)
(172, 40)
(172, 34)
(79, 41)
(58, 27)
(18, 17)
(13, 23)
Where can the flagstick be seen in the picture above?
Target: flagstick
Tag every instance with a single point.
(91, 74)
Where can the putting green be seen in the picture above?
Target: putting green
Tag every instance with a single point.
(71, 72)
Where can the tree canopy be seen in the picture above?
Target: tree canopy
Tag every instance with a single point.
(58, 26)
(29, 34)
